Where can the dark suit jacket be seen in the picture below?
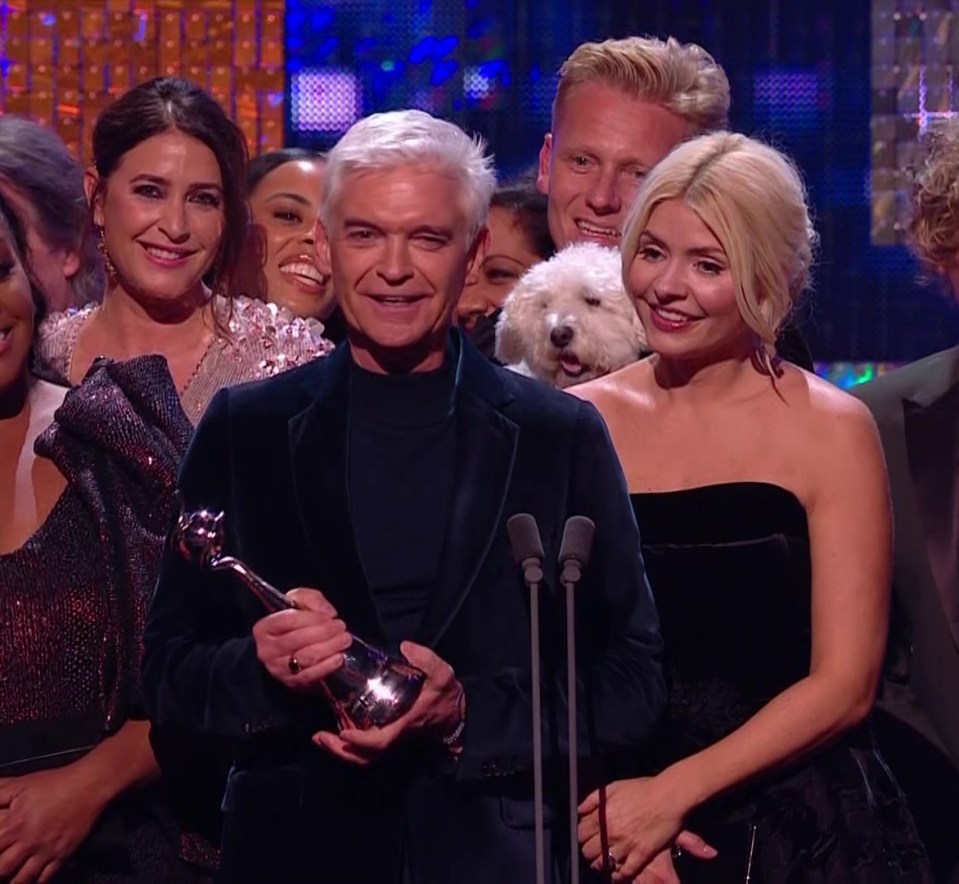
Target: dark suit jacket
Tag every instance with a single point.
(272, 455)
(917, 410)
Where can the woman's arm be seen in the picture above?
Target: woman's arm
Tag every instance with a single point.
(45, 816)
(119, 763)
(851, 544)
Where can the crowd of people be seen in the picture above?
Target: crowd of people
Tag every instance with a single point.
(302, 342)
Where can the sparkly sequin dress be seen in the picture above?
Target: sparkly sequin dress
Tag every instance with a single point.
(730, 570)
(262, 340)
(73, 601)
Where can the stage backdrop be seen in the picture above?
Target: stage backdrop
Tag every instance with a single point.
(802, 77)
(63, 61)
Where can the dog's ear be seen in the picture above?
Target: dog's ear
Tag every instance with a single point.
(509, 344)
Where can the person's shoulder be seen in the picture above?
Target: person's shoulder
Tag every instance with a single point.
(931, 374)
(279, 394)
(56, 338)
(46, 397)
(823, 403)
(272, 336)
(532, 400)
(831, 430)
(620, 396)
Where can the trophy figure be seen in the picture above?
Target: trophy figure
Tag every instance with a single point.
(371, 688)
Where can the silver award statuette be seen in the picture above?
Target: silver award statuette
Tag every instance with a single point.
(371, 688)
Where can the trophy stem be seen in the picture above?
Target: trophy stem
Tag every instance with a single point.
(270, 597)
(371, 688)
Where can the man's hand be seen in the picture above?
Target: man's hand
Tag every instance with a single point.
(302, 646)
(438, 710)
(44, 818)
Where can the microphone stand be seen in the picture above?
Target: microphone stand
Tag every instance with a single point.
(537, 733)
(573, 555)
(528, 552)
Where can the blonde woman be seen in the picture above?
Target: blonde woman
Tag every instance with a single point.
(762, 502)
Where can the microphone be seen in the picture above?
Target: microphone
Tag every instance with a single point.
(527, 547)
(574, 551)
(528, 554)
(576, 547)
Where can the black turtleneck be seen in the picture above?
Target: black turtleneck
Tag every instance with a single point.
(401, 455)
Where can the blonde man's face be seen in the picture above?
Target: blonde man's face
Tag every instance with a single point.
(591, 165)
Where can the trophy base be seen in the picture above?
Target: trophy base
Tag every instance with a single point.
(378, 705)
(372, 688)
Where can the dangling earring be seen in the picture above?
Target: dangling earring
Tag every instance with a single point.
(102, 249)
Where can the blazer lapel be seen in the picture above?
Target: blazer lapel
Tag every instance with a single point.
(931, 440)
(318, 440)
(486, 442)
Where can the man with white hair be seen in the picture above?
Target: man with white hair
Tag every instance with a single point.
(379, 482)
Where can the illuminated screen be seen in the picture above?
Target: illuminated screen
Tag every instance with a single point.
(805, 74)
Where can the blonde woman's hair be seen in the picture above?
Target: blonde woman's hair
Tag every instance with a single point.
(934, 227)
(753, 200)
(683, 78)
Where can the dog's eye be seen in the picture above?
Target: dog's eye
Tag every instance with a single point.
(592, 301)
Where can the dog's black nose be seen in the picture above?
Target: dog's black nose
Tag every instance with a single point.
(561, 336)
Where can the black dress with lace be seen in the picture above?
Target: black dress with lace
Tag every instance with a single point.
(730, 570)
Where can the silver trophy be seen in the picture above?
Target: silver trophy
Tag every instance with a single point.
(371, 688)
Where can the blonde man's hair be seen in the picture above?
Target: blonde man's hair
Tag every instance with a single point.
(934, 228)
(683, 78)
(753, 200)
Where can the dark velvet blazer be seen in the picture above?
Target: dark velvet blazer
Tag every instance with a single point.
(272, 455)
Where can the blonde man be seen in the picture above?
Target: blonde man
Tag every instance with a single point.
(620, 107)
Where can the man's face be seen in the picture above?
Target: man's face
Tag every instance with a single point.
(399, 249)
(590, 166)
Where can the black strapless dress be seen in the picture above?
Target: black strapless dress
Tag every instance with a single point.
(730, 570)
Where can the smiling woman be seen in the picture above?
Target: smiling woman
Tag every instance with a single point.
(763, 507)
(284, 188)
(168, 203)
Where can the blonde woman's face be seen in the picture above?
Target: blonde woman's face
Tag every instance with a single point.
(683, 287)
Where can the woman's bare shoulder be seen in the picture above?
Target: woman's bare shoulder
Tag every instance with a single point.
(627, 388)
(832, 434)
(820, 402)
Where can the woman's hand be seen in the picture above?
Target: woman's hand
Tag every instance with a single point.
(643, 817)
(44, 818)
(660, 870)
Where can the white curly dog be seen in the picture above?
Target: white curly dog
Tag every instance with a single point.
(569, 320)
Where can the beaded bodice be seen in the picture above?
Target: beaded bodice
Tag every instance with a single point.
(261, 340)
